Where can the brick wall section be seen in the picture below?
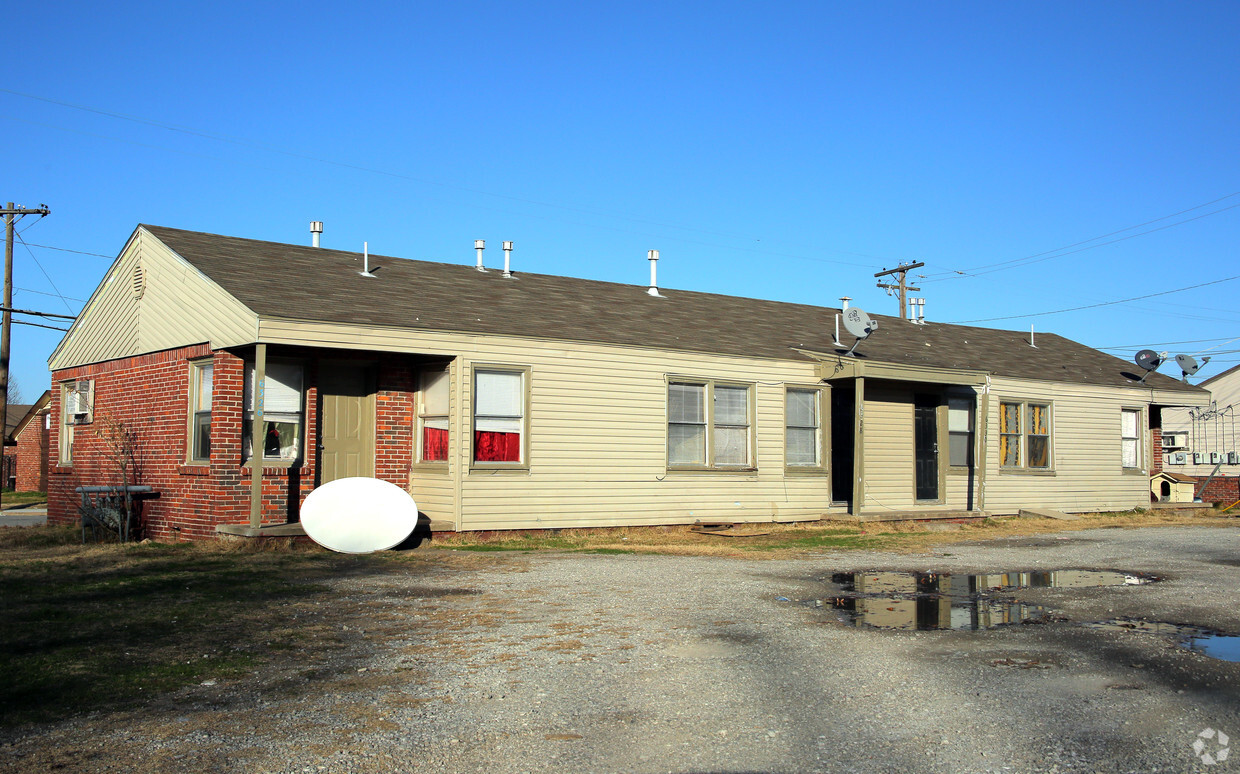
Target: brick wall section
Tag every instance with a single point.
(1223, 489)
(32, 459)
(1156, 447)
(150, 394)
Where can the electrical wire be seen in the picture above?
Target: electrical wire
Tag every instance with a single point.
(1095, 306)
(45, 274)
(67, 250)
(40, 325)
(1059, 251)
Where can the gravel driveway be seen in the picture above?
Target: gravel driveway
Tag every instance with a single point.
(579, 663)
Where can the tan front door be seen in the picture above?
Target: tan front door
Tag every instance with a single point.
(347, 438)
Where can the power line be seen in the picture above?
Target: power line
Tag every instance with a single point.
(45, 293)
(45, 274)
(65, 249)
(1095, 306)
(398, 175)
(40, 325)
(1037, 258)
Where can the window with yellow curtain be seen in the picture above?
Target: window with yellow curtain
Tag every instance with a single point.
(1025, 435)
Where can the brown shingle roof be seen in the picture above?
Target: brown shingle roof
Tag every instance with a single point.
(308, 283)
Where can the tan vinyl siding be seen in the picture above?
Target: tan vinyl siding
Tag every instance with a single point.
(889, 472)
(1086, 464)
(177, 307)
(597, 432)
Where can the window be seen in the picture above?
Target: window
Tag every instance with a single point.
(1130, 438)
(708, 425)
(802, 429)
(960, 431)
(1025, 435)
(75, 409)
(282, 401)
(499, 417)
(200, 375)
(433, 415)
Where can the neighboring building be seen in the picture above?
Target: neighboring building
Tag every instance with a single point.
(28, 440)
(8, 471)
(1204, 441)
(535, 401)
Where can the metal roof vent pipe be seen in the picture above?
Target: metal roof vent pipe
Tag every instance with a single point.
(365, 272)
(316, 228)
(844, 302)
(480, 245)
(508, 259)
(653, 256)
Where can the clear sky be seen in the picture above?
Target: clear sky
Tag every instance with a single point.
(1036, 156)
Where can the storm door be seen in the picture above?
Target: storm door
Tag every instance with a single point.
(926, 446)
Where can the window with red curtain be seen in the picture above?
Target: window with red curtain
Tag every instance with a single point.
(499, 416)
(433, 415)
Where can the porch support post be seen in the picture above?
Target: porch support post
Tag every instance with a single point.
(858, 488)
(981, 422)
(256, 437)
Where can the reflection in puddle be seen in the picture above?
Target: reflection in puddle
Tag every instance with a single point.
(928, 600)
(1225, 647)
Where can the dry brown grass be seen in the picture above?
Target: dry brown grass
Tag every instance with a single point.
(784, 540)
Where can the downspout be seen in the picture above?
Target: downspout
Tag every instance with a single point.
(256, 437)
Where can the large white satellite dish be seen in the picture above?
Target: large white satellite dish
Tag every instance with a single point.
(859, 324)
(359, 515)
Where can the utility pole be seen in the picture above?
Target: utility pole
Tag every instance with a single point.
(902, 271)
(9, 212)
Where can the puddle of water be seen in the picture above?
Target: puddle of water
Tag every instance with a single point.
(930, 612)
(928, 600)
(921, 582)
(1224, 647)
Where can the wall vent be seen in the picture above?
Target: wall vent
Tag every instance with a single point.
(139, 281)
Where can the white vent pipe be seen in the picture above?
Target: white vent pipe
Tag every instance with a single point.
(844, 304)
(480, 245)
(365, 272)
(316, 228)
(653, 256)
(508, 259)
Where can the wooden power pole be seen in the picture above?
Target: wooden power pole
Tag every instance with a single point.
(901, 271)
(6, 322)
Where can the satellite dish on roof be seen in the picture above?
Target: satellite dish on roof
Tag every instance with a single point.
(359, 515)
(859, 324)
(1189, 365)
(1149, 360)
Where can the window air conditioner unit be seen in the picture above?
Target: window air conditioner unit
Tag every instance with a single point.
(1215, 458)
(1177, 458)
(1174, 440)
(1198, 458)
(78, 402)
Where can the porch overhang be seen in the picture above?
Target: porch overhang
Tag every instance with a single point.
(1179, 398)
(833, 367)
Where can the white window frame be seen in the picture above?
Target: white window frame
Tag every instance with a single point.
(711, 426)
(1137, 441)
(818, 465)
(521, 421)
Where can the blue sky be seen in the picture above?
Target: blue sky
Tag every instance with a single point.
(785, 151)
